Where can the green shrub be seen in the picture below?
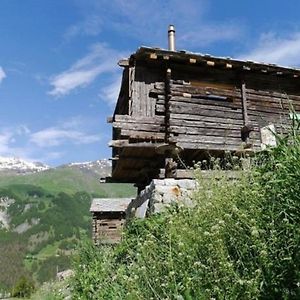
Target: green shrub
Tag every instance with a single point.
(53, 290)
(240, 240)
(49, 267)
(279, 178)
(23, 288)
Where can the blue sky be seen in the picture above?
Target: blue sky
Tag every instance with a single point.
(59, 77)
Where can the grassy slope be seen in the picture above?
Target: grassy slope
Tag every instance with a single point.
(69, 181)
(240, 240)
(57, 213)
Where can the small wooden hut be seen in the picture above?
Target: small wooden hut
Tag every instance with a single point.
(108, 219)
(176, 108)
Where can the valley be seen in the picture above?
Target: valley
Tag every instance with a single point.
(43, 216)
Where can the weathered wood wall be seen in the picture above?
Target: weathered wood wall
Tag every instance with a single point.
(197, 107)
(107, 227)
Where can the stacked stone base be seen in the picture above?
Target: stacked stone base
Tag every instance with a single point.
(159, 194)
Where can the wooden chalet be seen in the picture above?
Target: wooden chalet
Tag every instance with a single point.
(176, 108)
(109, 216)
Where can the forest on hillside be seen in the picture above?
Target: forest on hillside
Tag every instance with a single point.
(41, 228)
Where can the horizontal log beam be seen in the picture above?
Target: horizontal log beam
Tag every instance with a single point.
(203, 124)
(206, 118)
(131, 134)
(128, 144)
(137, 119)
(181, 108)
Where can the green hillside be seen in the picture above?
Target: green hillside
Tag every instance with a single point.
(70, 180)
(47, 217)
(39, 221)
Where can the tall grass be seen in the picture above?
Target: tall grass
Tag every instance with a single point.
(240, 240)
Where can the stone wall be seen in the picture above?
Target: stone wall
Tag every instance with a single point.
(159, 194)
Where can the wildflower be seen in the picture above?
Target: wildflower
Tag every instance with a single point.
(263, 253)
(240, 281)
(234, 208)
(254, 232)
(180, 244)
(215, 228)
(221, 222)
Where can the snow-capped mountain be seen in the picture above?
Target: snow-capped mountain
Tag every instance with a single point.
(20, 166)
(100, 168)
(103, 163)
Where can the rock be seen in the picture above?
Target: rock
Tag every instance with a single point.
(160, 193)
(63, 275)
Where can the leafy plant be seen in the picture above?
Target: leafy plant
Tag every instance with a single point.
(240, 240)
(23, 288)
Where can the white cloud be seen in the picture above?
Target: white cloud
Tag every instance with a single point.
(48, 144)
(2, 74)
(116, 16)
(91, 26)
(206, 35)
(71, 131)
(148, 23)
(5, 140)
(9, 146)
(110, 93)
(22, 130)
(274, 49)
(100, 60)
(54, 136)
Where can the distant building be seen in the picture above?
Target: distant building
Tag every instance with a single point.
(108, 219)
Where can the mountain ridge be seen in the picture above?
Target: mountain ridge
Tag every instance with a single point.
(18, 166)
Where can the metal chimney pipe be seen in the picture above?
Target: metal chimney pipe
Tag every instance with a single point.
(171, 37)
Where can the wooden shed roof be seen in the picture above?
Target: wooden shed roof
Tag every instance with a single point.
(185, 57)
(110, 204)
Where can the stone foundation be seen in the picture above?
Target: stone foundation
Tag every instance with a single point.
(159, 194)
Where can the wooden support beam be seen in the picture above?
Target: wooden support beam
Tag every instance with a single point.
(247, 128)
(180, 174)
(109, 120)
(244, 104)
(126, 143)
(123, 62)
(170, 168)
